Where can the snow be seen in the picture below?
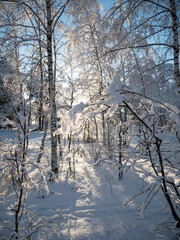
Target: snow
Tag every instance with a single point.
(92, 204)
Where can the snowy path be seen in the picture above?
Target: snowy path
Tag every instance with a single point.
(100, 215)
(91, 205)
(104, 221)
(93, 209)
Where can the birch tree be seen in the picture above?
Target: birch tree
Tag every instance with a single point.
(48, 27)
(51, 24)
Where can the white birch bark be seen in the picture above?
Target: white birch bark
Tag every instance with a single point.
(52, 103)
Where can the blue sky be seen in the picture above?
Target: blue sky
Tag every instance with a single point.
(107, 3)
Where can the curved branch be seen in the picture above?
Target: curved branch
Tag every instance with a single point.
(30, 8)
(62, 10)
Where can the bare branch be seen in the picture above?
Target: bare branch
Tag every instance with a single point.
(62, 10)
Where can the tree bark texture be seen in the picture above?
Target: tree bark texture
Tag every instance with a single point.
(52, 103)
(41, 111)
(176, 43)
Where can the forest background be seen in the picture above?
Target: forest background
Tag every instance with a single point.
(91, 72)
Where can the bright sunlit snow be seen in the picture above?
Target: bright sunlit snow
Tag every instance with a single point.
(92, 204)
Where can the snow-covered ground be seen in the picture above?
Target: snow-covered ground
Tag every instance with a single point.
(90, 204)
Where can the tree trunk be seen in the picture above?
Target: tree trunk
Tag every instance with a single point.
(96, 126)
(176, 43)
(103, 128)
(52, 103)
(43, 141)
(41, 111)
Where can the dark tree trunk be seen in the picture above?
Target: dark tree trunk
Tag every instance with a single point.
(176, 43)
